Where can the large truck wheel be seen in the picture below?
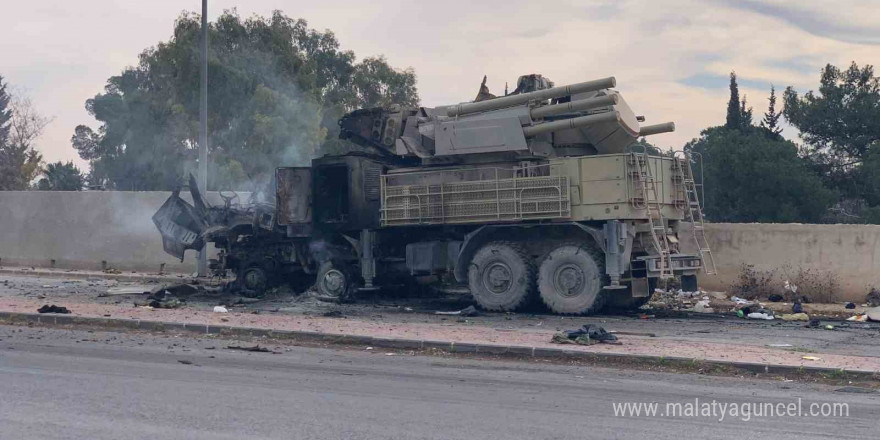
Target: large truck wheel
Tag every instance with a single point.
(335, 282)
(253, 278)
(570, 279)
(689, 283)
(501, 276)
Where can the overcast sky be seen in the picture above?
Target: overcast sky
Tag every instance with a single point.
(671, 57)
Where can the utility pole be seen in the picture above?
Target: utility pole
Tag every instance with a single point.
(203, 130)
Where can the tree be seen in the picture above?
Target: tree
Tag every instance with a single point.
(734, 112)
(745, 115)
(840, 126)
(276, 90)
(20, 125)
(61, 176)
(843, 119)
(750, 177)
(770, 122)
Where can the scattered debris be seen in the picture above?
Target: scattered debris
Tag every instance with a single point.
(587, 335)
(780, 345)
(703, 307)
(467, 311)
(126, 290)
(829, 327)
(858, 318)
(850, 305)
(859, 390)
(811, 358)
(255, 348)
(220, 309)
(795, 317)
(739, 301)
(758, 313)
(53, 309)
(797, 307)
(873, 298)
(814, 323)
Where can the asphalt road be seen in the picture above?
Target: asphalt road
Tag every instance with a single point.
(63, 384)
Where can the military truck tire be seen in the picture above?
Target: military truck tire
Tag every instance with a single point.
(570, 279)
(689, 283)
(501, 276)
(253, 280)
(335, 282)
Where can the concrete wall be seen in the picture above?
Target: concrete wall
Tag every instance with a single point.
(80, 230)
(850, 252)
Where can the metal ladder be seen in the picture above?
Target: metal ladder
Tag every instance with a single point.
(693, 210)
(644, 182)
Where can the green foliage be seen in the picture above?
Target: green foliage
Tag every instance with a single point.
(843, 119)
(61, 176)
(275, 91)
(738, 115)
(770, 122)
(750, 177)
(19, 126)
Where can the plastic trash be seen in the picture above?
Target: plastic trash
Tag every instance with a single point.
(220, 309)
(811, 358)
(760, 315)
(850, 305)
(795, 317)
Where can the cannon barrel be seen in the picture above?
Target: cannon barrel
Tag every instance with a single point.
(511, 100)
(666, 127)
(573, 106)
(563, 124)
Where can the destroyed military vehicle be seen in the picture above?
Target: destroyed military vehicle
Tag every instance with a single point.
(541, 193)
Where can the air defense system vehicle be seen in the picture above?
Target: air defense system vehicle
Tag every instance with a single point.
(540, 193)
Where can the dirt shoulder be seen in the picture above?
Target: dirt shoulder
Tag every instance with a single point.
(687, 335)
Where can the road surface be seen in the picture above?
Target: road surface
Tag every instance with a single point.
(72, 384)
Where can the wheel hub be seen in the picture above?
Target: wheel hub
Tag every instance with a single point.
(569, 280)
(254, 279)
(497, 278)
(334, 282)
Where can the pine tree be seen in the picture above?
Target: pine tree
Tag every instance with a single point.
(734, 113)
(771, 117)
(745, 115)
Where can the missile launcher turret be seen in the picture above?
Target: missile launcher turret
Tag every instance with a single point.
(536, 121)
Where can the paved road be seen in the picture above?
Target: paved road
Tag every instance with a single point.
(58, 384)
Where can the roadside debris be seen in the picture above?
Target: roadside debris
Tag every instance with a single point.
(780, 345)
(775, 297)
(811, 358)
(797, 307)
(126, 290)
(873, 298)
(795, 317)
(255, 348)
(703, 307)
(873, 314)
(858, 318)
(761, 314)
(467, 312)
(53, 309)
(220, 309)
(587, 335)
(850, 305)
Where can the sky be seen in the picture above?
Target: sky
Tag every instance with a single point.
(671, 58)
